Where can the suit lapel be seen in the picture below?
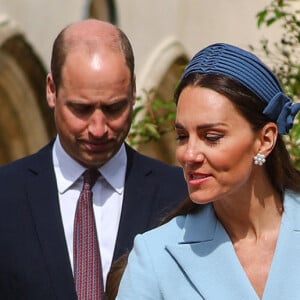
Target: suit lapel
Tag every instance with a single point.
(43, 199)
(134, 211)
(206, 256)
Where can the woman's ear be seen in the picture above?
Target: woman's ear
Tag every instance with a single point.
(268, 138)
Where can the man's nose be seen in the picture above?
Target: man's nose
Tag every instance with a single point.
(97, 124)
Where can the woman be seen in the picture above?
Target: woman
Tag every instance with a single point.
(238, 236)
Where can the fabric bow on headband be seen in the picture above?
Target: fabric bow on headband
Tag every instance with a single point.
(249, 70)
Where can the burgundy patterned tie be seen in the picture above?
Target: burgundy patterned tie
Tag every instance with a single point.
(87, 261)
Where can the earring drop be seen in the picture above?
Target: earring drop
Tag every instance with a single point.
(259, 159)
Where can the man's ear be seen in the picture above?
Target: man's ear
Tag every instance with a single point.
(133, 89)
(268, 138)
(50, 91)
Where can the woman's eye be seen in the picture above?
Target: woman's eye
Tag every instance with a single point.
(180, 137)
(213, 137)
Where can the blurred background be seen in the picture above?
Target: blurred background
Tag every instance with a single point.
(164, 34)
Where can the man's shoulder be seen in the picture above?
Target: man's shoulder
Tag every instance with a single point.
(35, 159)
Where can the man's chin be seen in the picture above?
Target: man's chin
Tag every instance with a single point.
(96, 161)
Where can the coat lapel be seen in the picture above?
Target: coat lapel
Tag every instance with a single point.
(43, 199)
(283, 281)
(207, 257)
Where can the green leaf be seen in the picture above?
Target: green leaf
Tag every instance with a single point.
(261, 16)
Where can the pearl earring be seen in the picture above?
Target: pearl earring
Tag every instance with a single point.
(259, 159)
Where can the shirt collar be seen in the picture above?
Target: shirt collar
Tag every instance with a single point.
(68, 170)
(114, 170)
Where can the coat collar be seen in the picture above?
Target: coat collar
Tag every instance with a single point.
(206, 255)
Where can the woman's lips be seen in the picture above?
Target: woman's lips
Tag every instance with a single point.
(197, 178)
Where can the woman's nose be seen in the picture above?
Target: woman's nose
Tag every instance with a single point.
(193, 154)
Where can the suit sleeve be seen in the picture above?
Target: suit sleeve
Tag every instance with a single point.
(139, 280)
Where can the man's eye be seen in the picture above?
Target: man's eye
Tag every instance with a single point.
(115, 108)
(82, 109)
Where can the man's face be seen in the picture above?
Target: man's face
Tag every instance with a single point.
(93, 106)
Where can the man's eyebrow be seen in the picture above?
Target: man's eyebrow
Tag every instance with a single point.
(77, 101)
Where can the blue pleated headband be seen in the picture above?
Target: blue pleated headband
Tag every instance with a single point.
(250, 71)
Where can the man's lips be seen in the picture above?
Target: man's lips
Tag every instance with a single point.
(97, 145)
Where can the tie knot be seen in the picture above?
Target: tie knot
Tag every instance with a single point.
(89, 178)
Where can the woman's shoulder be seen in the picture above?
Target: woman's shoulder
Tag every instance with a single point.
(174, 229)
(291, 204)
(293, 197)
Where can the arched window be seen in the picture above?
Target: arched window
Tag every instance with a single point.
(160, 75)
(25, 119)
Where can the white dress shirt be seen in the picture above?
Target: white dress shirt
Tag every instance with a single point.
(107, 198)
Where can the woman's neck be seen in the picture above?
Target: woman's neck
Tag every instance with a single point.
(250, 216)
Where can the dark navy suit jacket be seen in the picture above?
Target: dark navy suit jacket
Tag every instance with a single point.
(34, 260)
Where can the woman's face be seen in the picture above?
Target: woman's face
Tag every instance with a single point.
(216, 145)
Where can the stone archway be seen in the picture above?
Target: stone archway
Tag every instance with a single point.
(25, 120)
(161, 74)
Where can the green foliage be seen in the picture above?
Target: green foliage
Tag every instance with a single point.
(285, 57)
(157, 119)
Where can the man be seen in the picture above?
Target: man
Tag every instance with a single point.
(91, 89)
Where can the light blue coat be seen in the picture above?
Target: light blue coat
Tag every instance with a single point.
(192, 257)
